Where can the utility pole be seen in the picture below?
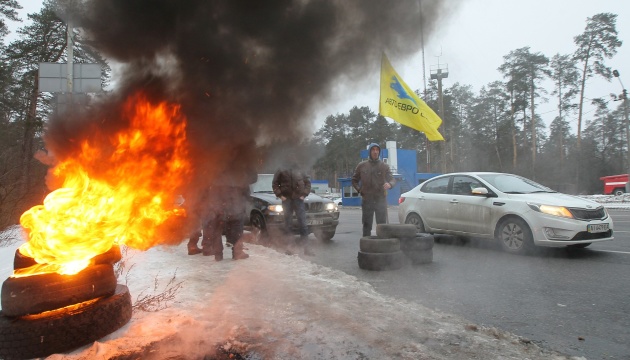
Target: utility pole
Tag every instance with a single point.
(624, 97)
(424, 82)
(439, 72)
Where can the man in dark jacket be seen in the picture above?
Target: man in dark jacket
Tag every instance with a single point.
(372, 178)
(292, 186)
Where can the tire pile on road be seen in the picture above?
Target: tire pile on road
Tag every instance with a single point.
(393, 246)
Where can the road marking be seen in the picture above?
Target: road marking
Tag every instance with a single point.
(612, 251)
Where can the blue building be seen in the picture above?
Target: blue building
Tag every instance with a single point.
(403, 164)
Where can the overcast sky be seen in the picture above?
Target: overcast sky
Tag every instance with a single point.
(474, 36)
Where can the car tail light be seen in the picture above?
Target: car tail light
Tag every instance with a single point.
(401, 200)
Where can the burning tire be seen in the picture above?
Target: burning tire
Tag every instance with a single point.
(64, 329)
(381, 261)
(374, 244)
(111, 256)
(396, 230)
(39, 293)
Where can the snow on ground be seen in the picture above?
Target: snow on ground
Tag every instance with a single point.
(276, 306)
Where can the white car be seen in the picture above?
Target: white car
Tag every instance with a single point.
(517, 212)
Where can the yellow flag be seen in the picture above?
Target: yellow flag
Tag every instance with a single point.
(402, 105)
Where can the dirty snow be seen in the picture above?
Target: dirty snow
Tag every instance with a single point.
(276, 306)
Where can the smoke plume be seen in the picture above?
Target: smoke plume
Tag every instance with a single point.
(246, 73)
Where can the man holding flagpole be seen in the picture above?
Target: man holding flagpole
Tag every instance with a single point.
(402, 105)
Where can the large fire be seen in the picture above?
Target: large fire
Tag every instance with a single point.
(118, 190)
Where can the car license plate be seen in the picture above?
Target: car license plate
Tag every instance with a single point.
(597, 228)
(315, 222)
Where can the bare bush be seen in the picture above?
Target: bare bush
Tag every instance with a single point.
(158, 300)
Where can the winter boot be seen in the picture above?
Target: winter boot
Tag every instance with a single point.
(193, 249)
(237, 251)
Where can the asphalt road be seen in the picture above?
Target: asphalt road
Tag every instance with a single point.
(576, 302)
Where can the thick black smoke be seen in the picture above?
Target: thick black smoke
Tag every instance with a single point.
(248, 73)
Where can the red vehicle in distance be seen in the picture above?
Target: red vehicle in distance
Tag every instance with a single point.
(615, 184)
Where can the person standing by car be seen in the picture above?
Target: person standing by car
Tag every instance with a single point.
(371, 179)
(292, 186)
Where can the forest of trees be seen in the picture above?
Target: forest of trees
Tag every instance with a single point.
(498, 129)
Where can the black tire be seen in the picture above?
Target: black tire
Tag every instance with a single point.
(417, 243)
(324, 236)
(414, 219)
(111, 256)
(39, 293)
(618, 192)
(64, 330)
(375, 244)
(515, 236)
(395, 230)
(419, 257)
(259, 229)
(21, 261)
(382, 261)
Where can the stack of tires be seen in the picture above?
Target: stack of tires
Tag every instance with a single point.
(48, 313)
(380, 253)
(417, 247)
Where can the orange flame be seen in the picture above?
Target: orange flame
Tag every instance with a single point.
(118, 190)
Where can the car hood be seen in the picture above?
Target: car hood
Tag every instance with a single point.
(557, 199)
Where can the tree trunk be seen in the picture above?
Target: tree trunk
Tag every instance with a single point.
(28, 139)
(514, 157)
(533, 110)
(579, 127)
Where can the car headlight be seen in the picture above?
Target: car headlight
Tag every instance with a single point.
(275, 208)
(552, 210)
(331, 207)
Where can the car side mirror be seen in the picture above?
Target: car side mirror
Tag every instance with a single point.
(480, 191)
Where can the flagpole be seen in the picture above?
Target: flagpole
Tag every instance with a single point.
(424, 81)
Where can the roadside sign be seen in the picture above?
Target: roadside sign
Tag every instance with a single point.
(86, 78)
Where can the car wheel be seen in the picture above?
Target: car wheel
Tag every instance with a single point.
(515, 236)
(324, 236)
(38, 293)
(65, 329)
(415, 219)
(259, 229)
(619, 192)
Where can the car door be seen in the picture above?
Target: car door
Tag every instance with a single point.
(468, 213)
(433, 203)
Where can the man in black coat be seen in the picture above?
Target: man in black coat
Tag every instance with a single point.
(372, 178)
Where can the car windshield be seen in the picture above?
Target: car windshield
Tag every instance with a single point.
(512, 184)
(263, 184)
